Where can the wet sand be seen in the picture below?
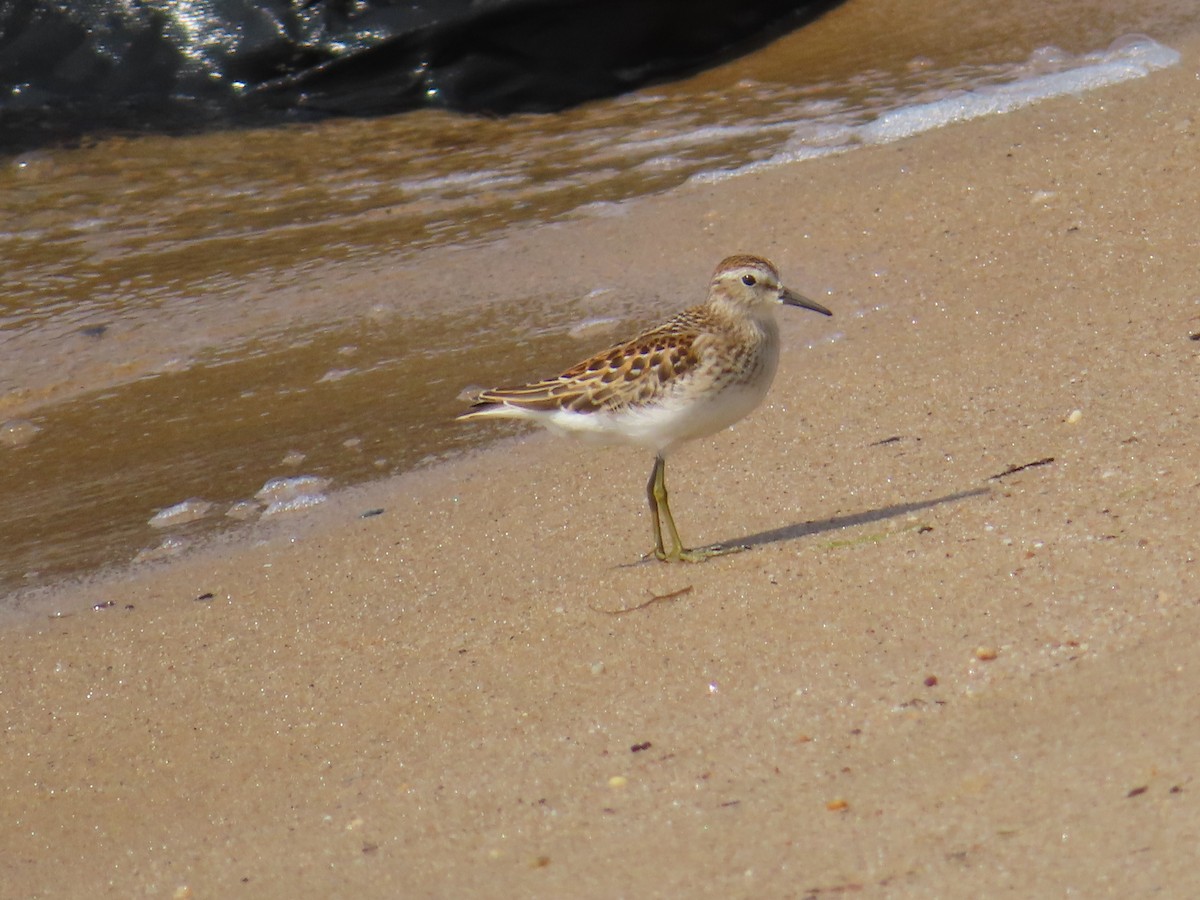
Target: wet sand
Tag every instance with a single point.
(959, 657)
(281, 282)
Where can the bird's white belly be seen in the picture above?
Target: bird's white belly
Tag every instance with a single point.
(662, 426)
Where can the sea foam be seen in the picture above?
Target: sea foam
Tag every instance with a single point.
(1129, 57)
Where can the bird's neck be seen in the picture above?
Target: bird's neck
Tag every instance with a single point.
(739, 320)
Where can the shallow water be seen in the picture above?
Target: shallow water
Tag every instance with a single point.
(172, 319)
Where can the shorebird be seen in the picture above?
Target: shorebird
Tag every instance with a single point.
(694, 375)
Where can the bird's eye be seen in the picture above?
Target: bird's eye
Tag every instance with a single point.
(749, 280)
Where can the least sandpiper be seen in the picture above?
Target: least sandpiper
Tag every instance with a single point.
(695, 374)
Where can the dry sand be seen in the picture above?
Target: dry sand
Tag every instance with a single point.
(923, 680)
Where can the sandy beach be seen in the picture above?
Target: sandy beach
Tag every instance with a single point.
(958, 660)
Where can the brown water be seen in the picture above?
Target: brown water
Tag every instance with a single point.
(180, 314)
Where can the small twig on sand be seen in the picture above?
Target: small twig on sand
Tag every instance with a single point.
(654, 598)
(1012, 470)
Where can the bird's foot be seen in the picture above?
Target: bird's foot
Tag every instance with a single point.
(697, 554)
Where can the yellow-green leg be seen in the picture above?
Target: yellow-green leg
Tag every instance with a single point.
(660, 513)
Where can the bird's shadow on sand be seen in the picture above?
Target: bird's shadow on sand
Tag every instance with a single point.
(836, 523)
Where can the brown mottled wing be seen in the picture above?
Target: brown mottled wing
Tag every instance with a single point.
(628, 374)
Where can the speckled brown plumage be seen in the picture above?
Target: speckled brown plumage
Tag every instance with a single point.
(697, 373)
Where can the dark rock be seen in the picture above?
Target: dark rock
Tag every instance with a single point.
(67, 70)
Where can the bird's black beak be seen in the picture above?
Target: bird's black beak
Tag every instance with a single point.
(791, 298)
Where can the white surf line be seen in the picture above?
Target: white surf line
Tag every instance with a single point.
(1127, 58)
